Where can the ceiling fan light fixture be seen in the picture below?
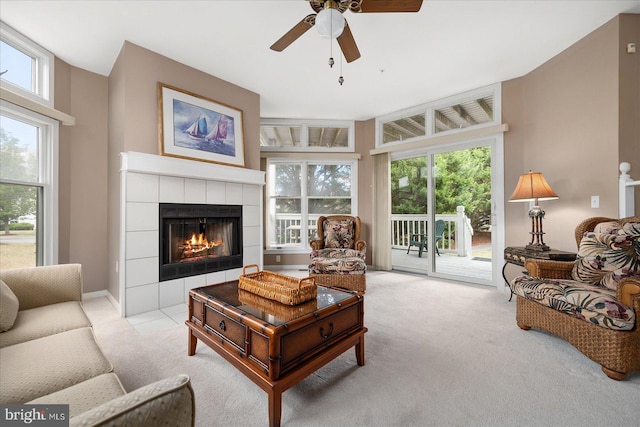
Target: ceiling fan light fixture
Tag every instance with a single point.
(330, 23)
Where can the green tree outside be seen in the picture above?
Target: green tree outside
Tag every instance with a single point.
(462, 178)
(16, 164)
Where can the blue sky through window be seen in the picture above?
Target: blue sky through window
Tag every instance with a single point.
(18, 66)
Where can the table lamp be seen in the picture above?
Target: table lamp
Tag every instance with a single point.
(532, 187)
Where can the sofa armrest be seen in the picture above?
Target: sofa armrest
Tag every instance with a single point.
(549, 269)
(167, 402)
(629, 290)
(40, 286)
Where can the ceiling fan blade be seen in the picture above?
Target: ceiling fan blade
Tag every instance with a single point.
(299, 29)
(348, 44)
(375, 6)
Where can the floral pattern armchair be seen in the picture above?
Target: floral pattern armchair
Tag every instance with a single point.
(338, 256)
(594, 302)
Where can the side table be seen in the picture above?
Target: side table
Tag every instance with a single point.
(518, 254)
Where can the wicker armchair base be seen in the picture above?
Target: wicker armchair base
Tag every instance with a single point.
(354, 282)
(618, 352)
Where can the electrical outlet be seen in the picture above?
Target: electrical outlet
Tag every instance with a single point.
(595, 201)
(277, 258)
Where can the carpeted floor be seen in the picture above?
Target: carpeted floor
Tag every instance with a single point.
(438, 353)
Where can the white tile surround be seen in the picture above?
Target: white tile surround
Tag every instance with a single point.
(147, 180)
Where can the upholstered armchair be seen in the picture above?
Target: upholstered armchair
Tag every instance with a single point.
(338, 255)
(594, 302)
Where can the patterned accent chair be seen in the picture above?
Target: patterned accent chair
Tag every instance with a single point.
(594, 302)
(338, 256)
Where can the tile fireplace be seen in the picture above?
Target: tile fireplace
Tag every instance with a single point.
(212, 208)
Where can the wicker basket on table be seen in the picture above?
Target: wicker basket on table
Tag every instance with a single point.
(275, 308)
(277, 287)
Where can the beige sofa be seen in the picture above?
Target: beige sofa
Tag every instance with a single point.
(49, 355)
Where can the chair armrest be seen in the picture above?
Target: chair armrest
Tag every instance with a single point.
(316, 244)
(629, 290)
(549, 269)
(361, 245)
(40, 286)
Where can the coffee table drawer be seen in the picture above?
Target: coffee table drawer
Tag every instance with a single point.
(226, 327)
(318, 335)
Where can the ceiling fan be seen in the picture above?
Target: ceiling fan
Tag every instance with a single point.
(329, 21)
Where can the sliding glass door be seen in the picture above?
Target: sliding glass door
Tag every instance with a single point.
(444, 216)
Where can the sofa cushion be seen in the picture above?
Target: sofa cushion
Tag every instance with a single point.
(8, 307)
(590, 303)
(348, 265)
(85, 395)
(45, 365)
(168, 402)
(44, 321)
(605, 259)
(338, 234)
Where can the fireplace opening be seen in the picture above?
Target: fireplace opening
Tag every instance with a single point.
(199, 239)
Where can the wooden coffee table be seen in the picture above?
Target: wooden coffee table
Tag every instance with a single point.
(274, 345)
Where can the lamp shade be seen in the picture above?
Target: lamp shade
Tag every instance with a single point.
(532, 187)
(330, 22)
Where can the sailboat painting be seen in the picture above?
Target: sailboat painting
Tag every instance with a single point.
(197, 128)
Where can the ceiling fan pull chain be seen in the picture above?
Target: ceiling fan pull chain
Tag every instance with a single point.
(331, 61)
(340, 79)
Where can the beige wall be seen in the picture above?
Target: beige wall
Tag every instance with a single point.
(629, 93)
(83, 173)
(564, 122)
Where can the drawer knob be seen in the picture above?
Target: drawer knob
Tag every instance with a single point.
(328, 333)
(222, 326)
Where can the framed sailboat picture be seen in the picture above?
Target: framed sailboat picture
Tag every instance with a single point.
(196, 128)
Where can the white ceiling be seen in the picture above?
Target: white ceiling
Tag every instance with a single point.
(407, 58)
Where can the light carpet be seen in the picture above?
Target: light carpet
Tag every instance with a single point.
(437, 353)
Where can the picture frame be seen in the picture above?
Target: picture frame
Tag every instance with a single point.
(194, 127)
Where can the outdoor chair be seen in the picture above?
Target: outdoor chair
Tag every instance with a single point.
(420, 240)
(338, 255)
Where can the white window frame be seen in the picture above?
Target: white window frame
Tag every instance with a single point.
(304, 125)
(47, 177)
(494, 90)
(44, 72)
(304, 247)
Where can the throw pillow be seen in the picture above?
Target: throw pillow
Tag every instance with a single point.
(8, 307)
(609, 227)
(338, 234)
(605, 259)
(631, 228)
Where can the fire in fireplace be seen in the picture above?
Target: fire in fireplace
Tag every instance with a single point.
(198, 239)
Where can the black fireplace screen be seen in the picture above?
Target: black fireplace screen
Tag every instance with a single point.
(199, 239)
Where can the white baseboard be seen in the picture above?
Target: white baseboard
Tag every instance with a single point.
(103, 293)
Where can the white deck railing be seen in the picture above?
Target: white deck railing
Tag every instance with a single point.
(457, 236)
(456, 239)
(626, 191)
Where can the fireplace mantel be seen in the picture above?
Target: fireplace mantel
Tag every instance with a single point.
(172, 166)
(146, 180)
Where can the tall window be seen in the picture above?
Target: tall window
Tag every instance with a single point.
(28, 157)
(300, 192)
